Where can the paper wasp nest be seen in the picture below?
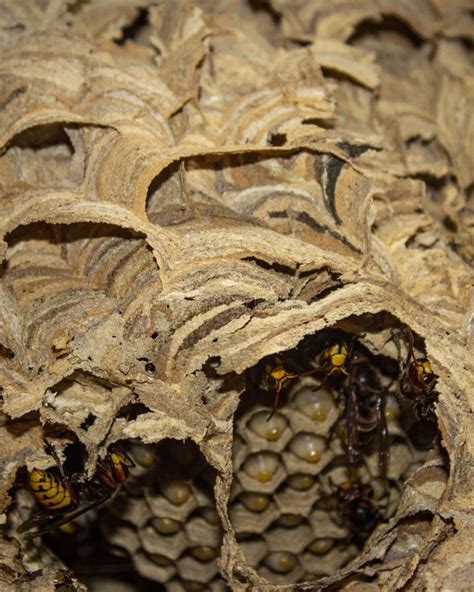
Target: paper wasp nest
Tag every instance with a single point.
(187, 188)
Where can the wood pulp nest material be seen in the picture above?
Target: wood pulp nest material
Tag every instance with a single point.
(189, 187)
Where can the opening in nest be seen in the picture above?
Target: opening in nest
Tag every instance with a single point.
(327, 435)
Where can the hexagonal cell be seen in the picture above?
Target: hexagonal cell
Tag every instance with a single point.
(131, 509)
(261, 471)
(281, 567)
(171, 546)
(247, 521)
(284, 538)
(269, 427)
(300, 501)
(152, 568)
(326, 564)
(199, 570)
(312, 407)
(201, 532)
(254, 548)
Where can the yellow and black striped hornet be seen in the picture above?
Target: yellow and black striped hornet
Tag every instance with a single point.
(277, 375)
(334, 359)
(276, 378)
(62, 499)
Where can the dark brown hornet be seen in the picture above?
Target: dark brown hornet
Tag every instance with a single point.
(358, 511)
(418, 382)
(364, 413)
(62, 499)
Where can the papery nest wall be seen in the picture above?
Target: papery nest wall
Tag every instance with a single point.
(186, 185)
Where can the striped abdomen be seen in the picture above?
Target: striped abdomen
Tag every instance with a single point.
(48, 490)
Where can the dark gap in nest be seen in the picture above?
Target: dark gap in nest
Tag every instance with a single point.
(88, 422)
(75, 454)
(388, 27)
(460, 252)
(413, 243)
(239, 159)
(77, 5)
(90, 559)
(323, 123)
(466, 41)
(420, 140)
(80, 377)
(6, 352)
(277, 139)
(355, 150)
(221, 383)
(135, 29)
(266, 6)
(43, 136)
(183, 460)
(253, 304)
(150, 368)
(449, 224)
(21, 425)
(421, 517)
(133, 410)
(210, 367)
(433, 183)
(68, 233)
(326, 292)
(277, 267)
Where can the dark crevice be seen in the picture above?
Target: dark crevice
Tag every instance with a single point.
(266, 6)
(326, 292)
(133, 31)
(388, 25)
(133, 410)
(6, 352)
(355, 150)
(277, 267)
(42, 136)
(88, 422)
(323, 123)
(277, 139)
(253, 304)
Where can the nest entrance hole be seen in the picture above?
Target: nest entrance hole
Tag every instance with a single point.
(303, 504)
(160, 531)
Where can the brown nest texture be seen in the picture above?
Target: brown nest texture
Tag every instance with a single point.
(188, 188)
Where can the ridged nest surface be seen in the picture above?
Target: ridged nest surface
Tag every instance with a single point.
(189, 187)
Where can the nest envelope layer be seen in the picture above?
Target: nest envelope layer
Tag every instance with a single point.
(188, 187)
